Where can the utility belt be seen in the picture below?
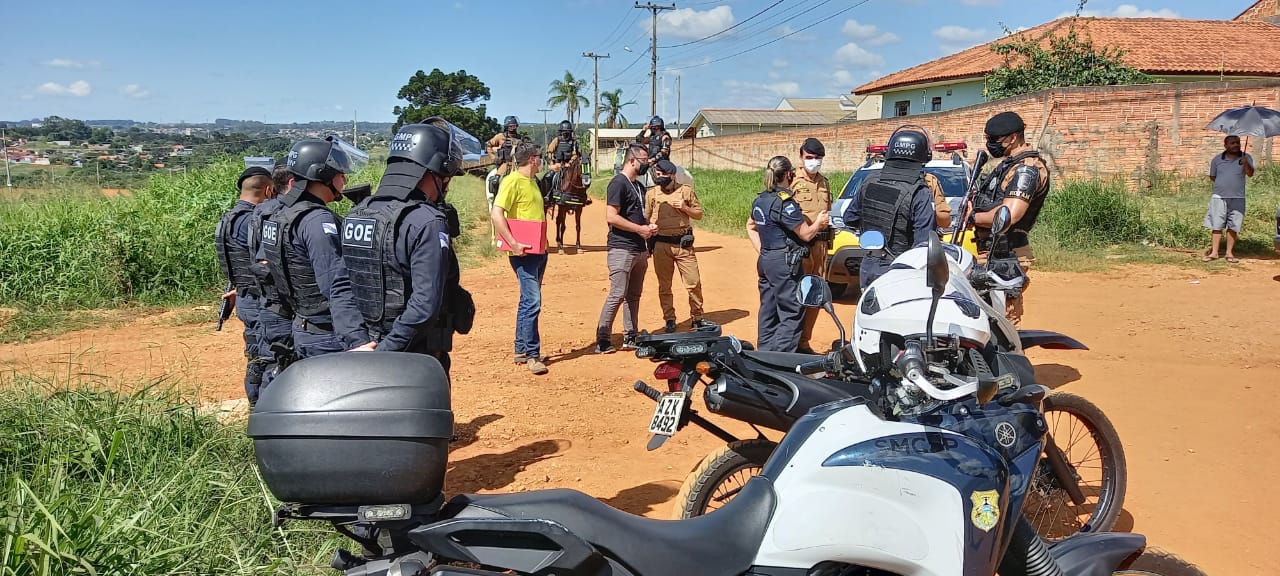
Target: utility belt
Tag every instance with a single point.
(313, 327)
(684, 240)
(1014, 239)
(823, 235)
(797, 253)
(251, 292)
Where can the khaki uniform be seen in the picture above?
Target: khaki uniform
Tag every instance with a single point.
(813, 193)
(667, 253)
(1035, 198)
(494, 144)
(940, 206)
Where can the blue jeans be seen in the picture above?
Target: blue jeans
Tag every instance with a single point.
(529, 270)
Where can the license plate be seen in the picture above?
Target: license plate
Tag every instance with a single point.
(667, 415)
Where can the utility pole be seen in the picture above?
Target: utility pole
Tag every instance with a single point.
(4, 149)
(595, 102)
(678, 86)
(653, 51)
(544, 124)
(355, 134)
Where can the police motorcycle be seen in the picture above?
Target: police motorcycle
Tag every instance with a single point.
(928, 478)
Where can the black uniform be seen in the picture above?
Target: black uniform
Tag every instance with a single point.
(235, 259)
(275, 318)
(776, 215)
(897, 203)
(301, 242)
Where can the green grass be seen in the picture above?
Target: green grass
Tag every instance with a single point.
(96, 482)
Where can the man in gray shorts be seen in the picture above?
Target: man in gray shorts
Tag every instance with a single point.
(1226, 207)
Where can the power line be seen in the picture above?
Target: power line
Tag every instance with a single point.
(747, 33)
(758, 46)
(750, 18)
(629, 66)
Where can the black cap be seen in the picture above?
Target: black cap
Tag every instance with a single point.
(666, 167)
(250, 172)
(813, 146)
(1004, 124)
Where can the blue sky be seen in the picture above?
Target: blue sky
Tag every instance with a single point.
(325, 60)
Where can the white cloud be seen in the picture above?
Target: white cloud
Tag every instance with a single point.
(843, 78)
(752, 94)
(77, 88)
(690, 24)
(134, 91)
(1126, 11)
(956, 38)
(869, 34)
(780, 63)
(337, 107)
(69, 63)
(854, 56)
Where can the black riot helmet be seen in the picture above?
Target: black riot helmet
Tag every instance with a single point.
(910, 143)
(566, 126)
(656, 123)
(510, 123)
(433, 145)
(316, 160)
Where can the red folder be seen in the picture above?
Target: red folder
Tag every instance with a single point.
(527, 232)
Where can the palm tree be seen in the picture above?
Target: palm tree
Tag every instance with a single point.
(565, 92)
(611, 106)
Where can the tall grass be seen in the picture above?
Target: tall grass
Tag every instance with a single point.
(76, 249)
(96, 482)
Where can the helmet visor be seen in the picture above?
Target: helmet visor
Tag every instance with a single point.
(346, 158)
(470, 146)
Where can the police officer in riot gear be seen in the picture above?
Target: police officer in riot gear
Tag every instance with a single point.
(398, 247)
(236, 260)
(502, 146)
(302, 246)
(895, 202)
(779, 232)
(565, 148)
(656, 139)
(1021, 182)
(275, 318)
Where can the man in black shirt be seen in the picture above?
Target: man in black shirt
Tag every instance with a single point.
(628, 257)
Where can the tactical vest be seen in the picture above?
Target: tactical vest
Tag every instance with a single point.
(506, 152)
(989, 194)
(655, 145)
(886, 207)
(564, 150)
(368, 249)
(293, 276)
(234, 258)
(266, 283)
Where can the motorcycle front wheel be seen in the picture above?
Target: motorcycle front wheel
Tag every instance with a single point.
(1094, 461)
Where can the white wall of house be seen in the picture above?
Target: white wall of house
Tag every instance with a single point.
(937, 98)
(870, 107)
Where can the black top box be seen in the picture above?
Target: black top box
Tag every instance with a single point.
(355, 428)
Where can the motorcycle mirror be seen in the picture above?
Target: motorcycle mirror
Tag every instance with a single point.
(1001, 220)
(871, 240)
(938, 272)
(813, 292)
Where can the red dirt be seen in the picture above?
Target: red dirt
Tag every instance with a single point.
(1181, 361)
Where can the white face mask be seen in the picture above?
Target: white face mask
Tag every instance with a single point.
(812, 165)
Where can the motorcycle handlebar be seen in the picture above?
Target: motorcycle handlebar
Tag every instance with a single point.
(647, 390)
(814, 367)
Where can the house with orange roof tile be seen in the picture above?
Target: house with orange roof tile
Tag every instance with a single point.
(1169, 49)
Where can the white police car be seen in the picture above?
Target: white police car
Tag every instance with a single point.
(950, 168)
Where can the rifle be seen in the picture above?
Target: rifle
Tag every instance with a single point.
(224, 311)
(979, 160)
(357, 193)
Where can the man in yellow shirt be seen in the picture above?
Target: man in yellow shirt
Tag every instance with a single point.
(520, 198)
(672, 207)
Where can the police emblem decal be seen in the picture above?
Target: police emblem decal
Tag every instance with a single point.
(986, 509)
(444, 240)
(329, 228)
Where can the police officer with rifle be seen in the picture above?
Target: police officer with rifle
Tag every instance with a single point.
(895, 202)
(234, 257)
(398, 248)
(301, 244)
(780, 234)
(1021, 182)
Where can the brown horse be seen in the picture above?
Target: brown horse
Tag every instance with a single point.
(570, 195)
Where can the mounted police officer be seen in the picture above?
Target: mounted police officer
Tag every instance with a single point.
(813, 192)
(502, 145)
(656, 140)
(896, 201)
(779, 232)
(1021, 182)
(562, 150)
(236, 261)
(398, 247)
(275, 318)
(301, 244)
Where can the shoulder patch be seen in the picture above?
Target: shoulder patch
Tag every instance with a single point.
(790, 209)
(444, 239)
(329, 228)
(785, 195)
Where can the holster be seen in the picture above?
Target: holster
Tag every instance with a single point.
(796, 255)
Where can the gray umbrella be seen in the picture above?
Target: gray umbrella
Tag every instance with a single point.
(1247, 121)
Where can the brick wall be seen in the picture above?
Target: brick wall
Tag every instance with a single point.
(1130, 131)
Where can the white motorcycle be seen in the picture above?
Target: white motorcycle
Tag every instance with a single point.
(929, 479)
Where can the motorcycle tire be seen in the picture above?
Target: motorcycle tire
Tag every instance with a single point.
(1047, 503)
(705, 489)
(1156, 562)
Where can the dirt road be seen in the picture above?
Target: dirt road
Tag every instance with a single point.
(1182, 361)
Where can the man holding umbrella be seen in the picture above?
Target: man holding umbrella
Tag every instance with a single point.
(1227, 171)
